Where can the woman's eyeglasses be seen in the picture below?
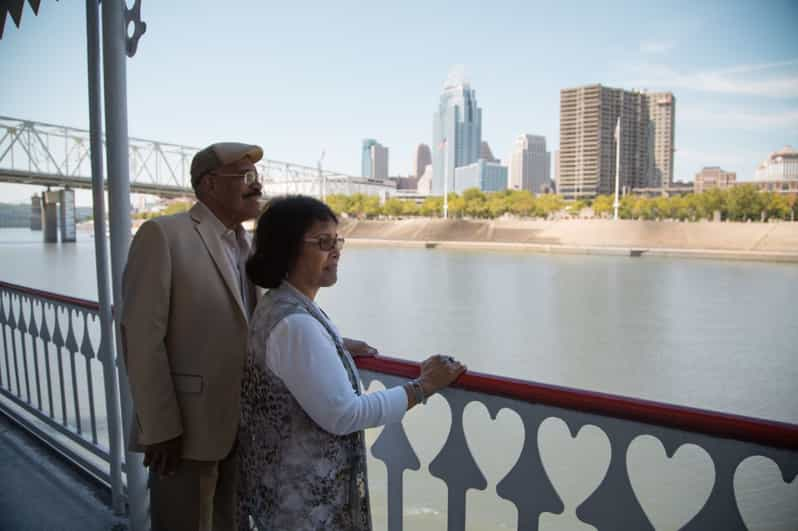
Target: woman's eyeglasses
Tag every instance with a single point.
(327, 243)
(250, 176)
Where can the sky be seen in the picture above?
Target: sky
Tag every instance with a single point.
(301, 77)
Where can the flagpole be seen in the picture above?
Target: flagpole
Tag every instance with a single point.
(445, 182)
(616, 204)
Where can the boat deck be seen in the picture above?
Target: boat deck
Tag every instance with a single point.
(41, 491)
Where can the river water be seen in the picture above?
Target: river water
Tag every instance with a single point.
(719, 335)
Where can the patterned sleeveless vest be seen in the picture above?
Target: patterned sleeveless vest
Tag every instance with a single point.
(293, 474)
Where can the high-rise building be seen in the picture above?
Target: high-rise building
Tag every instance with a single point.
(588, 116)
(662, 113)
(482, 174)
(530, 165)
(374, 160)
(422, 158)
(557, 171)
(456, 132)
(713, 177)
(486, 153)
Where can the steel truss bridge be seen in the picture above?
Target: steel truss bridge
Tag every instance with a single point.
(48, 155)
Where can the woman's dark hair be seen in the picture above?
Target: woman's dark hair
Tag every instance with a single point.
(280, 235)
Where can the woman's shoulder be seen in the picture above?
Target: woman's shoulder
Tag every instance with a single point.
(267, 317)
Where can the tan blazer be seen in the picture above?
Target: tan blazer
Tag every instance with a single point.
(184, 335)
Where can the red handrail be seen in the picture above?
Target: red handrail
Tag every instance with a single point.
(725, 425)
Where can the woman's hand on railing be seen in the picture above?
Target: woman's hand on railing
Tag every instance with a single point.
(358, 348)
(439, 371)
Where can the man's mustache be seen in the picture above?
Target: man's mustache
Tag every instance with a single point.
(251, 194)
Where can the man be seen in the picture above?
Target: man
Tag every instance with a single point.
(186, 307)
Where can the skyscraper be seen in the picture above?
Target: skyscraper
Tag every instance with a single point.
(587, 146)
(530, 165)
(486, 153)
(557, 171)
(422, 159)
(374, 160)
(456, 132)
(662, 113)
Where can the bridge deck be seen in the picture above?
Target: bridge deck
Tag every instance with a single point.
(40, 491)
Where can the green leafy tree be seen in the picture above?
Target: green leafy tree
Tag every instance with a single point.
(714, 200)
(410, 208)
(371, 206)
(338, 203)
(602, 205)
(548, 203)
(693, 206)
(521, 203)
(745, 203)
(574, 208)
(393, 207)
(662, 207)
(354, 206)
(626, 209)
(476, 203)
(432, 207)
(456, 205)
(778, 206)
(679, 208)
(497, 204)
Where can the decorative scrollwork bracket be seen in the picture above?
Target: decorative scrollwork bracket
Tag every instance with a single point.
(133, 15)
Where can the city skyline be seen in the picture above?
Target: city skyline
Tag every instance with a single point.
(737, 90)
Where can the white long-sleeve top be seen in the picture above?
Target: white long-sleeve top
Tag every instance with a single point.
(302, 354)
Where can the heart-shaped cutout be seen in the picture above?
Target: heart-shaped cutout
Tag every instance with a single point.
(427, 428)
(496, 446)
(670, 491)
(765, 501)
(577, 465)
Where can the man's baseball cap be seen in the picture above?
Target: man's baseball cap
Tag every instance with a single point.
(220, 154)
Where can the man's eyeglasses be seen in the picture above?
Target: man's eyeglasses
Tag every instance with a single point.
(327, 243)
(249, 176)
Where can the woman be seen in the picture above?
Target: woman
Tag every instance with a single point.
(303, 458)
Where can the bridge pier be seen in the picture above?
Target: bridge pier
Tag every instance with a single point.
(35, 213)
(57, 211)
(67, 215)
(49, 220)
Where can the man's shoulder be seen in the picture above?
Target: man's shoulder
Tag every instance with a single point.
(173, 220)
(169, 225)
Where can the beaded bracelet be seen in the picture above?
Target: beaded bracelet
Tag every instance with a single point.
(418, 392)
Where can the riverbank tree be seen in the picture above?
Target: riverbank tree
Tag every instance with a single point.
(740, 203)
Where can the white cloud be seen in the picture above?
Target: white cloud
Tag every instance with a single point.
(698, 158)
(748, 80)
(657, 47)
(738, 118)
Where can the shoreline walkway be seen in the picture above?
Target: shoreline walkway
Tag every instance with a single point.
(41, 491)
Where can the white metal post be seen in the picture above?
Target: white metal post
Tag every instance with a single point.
(115, 70)
(617, 203)
(322, 179)
(445, 182)
(107, 350)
